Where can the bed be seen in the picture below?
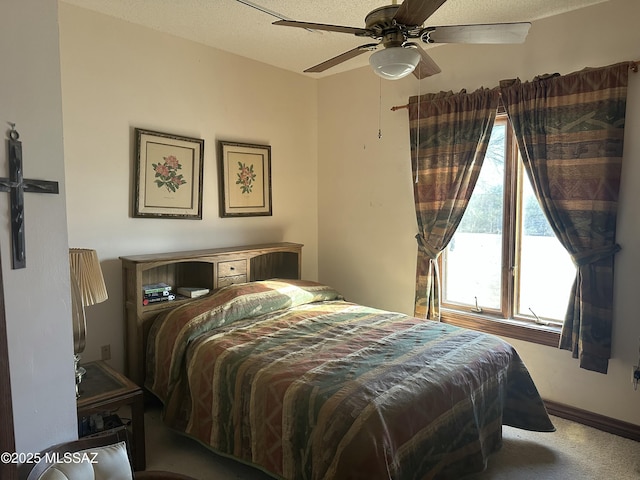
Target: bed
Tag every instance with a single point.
(288, 376)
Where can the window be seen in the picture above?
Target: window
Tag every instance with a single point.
(504, 270)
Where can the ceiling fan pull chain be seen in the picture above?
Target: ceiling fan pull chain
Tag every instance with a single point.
(418, 130)
(380, 109)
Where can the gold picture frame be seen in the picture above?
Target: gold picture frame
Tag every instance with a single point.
(245, 179)
(168, 175)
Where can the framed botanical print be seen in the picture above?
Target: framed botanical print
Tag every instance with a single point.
(168, 175)
(245, 179)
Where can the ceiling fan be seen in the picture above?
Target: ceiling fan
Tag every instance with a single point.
(393, 26)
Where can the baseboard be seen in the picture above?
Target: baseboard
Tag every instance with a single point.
(606, 424)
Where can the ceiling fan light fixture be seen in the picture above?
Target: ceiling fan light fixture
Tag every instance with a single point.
(393, 63)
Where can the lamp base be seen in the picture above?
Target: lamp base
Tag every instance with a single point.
(80, 371)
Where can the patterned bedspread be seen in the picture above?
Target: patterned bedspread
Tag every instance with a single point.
(289, 377)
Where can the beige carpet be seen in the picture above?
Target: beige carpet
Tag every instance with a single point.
(573, 452)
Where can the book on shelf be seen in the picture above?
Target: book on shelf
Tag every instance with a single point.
(192, 292)
(164, 293)
(156, 288)
(164, 298)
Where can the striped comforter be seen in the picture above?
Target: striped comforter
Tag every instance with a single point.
(289, 377)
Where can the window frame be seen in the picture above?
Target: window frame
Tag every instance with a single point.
(504, 322)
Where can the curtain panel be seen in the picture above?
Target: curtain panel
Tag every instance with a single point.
(570, 134)
(449, 135)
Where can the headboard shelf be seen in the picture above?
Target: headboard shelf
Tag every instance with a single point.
(211, 268)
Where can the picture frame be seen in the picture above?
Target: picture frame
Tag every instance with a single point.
(168, 175)
(244, 179)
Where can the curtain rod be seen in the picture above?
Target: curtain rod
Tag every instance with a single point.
(633, 66)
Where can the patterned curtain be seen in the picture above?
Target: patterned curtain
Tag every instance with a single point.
(570, 133)
(449, 138)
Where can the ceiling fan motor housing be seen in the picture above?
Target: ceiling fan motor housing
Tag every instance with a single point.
(382, 26)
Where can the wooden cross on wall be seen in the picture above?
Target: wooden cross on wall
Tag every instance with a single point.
(16, 185)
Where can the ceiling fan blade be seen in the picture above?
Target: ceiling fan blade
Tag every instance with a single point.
(427, 65)
(487, 33)
(415, 12)
(323, 26)
(262, 9)
(343, 57)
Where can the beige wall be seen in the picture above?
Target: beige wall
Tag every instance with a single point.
(117, 76)
(366, 215)
(37, 297)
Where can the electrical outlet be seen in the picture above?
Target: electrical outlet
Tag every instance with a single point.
(105, 352)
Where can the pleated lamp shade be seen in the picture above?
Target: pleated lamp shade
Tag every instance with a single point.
(86, 267)
(87, 288)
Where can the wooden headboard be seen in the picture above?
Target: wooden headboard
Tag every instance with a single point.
(212, 269)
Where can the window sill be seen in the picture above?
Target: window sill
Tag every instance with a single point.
(529, 332)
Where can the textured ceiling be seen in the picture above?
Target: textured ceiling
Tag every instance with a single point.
(237, 28)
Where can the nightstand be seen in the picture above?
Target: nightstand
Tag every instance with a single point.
(103, 389)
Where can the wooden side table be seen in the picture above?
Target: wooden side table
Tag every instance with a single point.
(103, 389)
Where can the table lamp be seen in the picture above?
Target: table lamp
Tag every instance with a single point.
(87, 288)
